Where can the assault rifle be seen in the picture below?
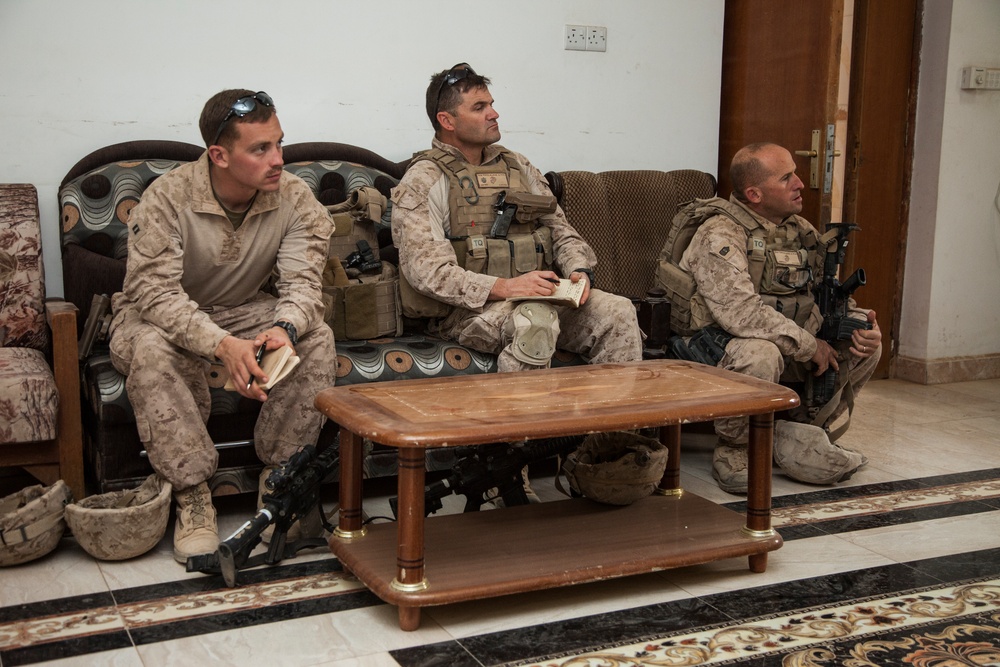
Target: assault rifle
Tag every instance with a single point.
(492, 471)
(363, 259)
(95, 329)
(293, 495)
(833, 298)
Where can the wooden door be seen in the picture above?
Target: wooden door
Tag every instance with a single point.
(879, 154)
(780, 71)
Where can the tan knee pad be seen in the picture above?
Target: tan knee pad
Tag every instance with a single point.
(804, 453)
(534, 328)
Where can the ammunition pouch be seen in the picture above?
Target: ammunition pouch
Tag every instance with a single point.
(366, 307)
(366, 304)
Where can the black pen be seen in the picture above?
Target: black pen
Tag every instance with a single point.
(260, 357)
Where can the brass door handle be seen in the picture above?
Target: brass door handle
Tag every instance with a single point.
(807, 153)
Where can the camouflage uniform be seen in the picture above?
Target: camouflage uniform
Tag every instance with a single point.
(191, 281)
(605, 329)
(767, 344)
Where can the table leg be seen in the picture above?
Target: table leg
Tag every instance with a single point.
(759, 484)
(410, 532)
(670, 483)
(350, 525)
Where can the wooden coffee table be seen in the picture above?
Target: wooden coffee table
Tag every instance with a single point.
(516, 549)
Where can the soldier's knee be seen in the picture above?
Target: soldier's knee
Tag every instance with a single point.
(533, 328)
(755, 357)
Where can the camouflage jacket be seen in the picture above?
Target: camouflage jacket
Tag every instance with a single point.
(717, 259)
(185, 259)
(420, 228)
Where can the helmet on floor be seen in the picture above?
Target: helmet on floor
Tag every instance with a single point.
(616, 468)
(122, 524)
(32, 522)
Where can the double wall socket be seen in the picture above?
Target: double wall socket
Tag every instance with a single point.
(586, 38)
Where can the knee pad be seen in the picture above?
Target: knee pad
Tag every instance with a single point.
(534, 328)
(804, 453)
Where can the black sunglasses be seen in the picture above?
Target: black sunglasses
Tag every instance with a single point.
(454, 75)
(242, 107)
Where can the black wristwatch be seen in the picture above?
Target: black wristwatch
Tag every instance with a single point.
(289, 328)
(589, 272)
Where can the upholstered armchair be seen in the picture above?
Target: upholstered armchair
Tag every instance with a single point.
(40, 427)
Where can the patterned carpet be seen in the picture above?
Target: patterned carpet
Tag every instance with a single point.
(930, 612)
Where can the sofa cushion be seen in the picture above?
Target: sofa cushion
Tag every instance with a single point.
(22, 279)
(625, 216)
(29, 401)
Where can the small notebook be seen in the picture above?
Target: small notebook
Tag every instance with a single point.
(276, 364)
(567, 293)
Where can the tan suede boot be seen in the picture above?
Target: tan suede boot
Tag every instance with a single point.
(196, 531)
(729, 467)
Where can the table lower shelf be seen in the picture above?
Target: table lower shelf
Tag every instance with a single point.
(532, 547)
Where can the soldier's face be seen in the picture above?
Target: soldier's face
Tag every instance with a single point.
(475, 119)
(781, 191)
(255, 159)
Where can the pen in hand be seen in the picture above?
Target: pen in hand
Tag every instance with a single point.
(260, 357)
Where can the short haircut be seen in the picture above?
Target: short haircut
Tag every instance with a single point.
(217, 108)
(746, 169)
(448, 98)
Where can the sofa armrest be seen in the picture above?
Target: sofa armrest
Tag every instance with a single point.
(61, 317)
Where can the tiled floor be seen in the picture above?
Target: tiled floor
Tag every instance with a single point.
(900, 565)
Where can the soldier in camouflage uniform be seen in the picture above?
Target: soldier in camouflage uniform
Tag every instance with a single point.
(457, 273)
(204, 241)
(769, 344)
(471, 306)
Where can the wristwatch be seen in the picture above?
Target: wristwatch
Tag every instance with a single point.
(290, 330)
(589, 272)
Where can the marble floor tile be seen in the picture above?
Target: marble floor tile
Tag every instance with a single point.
(920, 525)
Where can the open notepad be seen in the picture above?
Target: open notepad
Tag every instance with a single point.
(276, 364)
(567, 293)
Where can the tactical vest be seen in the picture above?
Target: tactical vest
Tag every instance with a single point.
(473, 193)
(783, 263)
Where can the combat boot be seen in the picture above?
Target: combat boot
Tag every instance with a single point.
(804, 453)
(196, 531)
(294, 531)
(729, 467)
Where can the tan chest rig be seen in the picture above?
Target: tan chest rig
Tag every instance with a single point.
(473, 194)
(783, 266)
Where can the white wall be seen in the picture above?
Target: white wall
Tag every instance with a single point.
(951, 296)
(77, 76)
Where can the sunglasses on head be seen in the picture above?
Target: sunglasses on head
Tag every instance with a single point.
(454, 75)
(242, 107)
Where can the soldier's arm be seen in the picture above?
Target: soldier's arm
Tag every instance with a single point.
(718, 261)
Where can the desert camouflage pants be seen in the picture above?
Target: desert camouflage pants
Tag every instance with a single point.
(761, 359)
(168, 388)
(603, 330)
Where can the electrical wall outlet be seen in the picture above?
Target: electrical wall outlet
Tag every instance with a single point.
(576, 38)
(980, 78)
(597, 38)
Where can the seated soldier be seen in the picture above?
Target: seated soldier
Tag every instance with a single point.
(203, 241)
(771, 319)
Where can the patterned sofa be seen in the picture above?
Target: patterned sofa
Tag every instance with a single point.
(97, 194)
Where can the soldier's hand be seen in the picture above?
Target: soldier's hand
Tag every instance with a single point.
(864, 342)
(577, 276)
(825, 357)
(535, 283)
(239, 357)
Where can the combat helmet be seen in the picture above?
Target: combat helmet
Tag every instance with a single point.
(32, 522)
(616, 468)
(122, 524)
